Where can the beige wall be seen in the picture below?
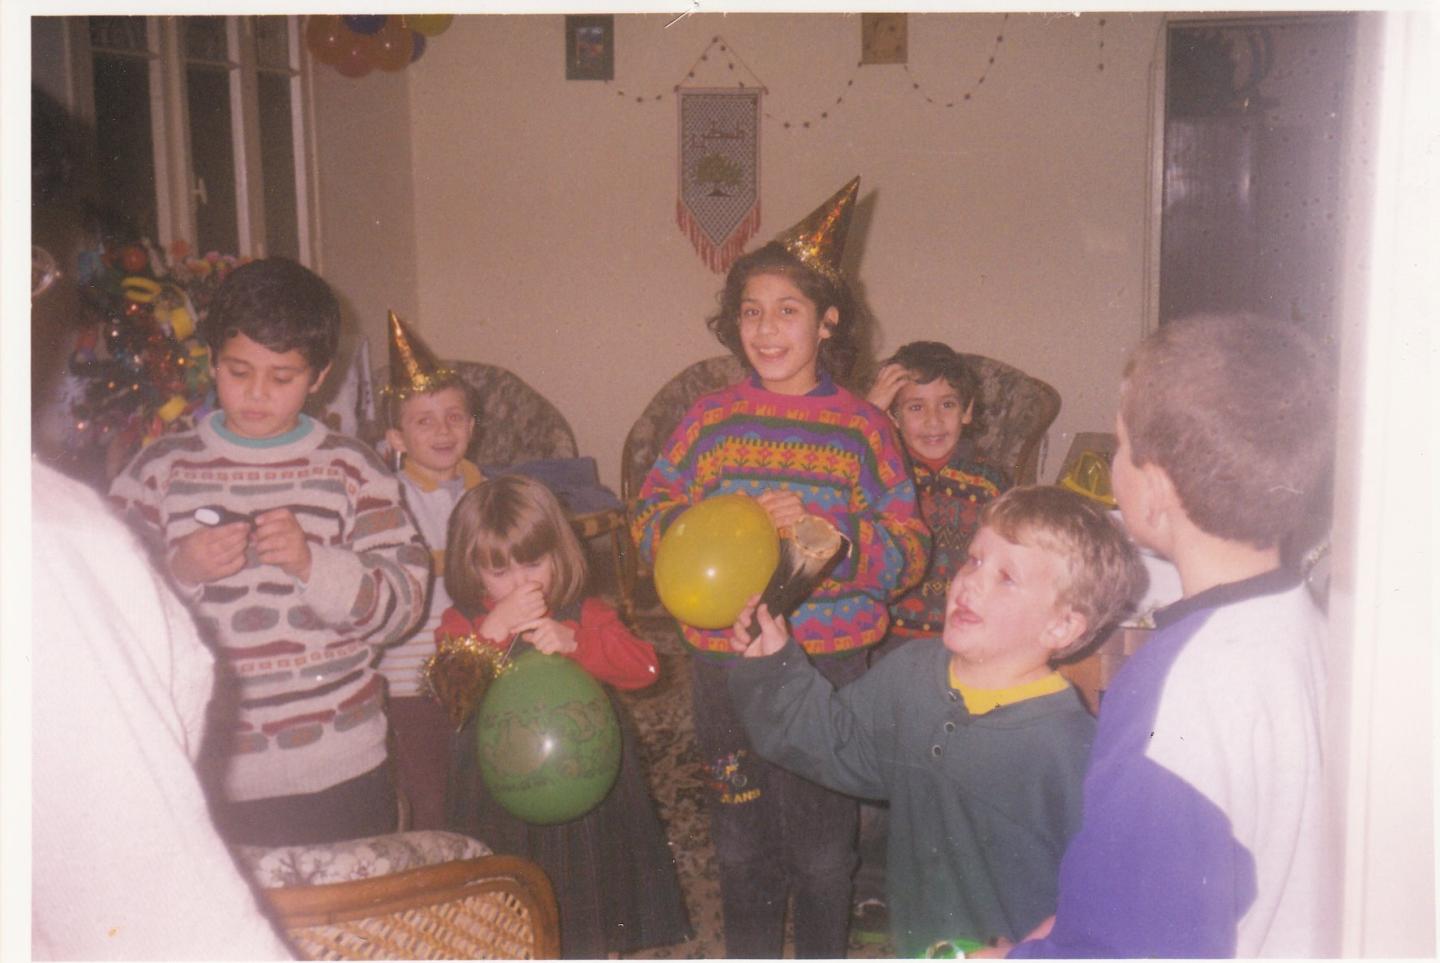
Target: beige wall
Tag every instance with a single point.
(365, 198)
(544, 227)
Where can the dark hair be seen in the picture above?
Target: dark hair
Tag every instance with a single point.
(58, 180)
(928, 360)
(1238, 411)
(279, 304)
(1103, 569)
(507, 519)
(837, 352)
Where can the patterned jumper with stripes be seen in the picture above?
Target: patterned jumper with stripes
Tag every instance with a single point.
(298, 658)
(840, 455)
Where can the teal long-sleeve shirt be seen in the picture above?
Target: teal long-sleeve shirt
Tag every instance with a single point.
(981, 807)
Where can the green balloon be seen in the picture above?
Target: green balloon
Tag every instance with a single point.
(547, 740)
(956, 949)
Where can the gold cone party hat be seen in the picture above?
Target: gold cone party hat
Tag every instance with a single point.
(819, 240)
(414, 369)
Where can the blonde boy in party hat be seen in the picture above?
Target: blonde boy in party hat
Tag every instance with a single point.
(431, 419)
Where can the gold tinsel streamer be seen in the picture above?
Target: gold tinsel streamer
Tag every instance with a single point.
(460, 672)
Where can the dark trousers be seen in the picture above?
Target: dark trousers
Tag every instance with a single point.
(421, 729)
(776, 834)
(363, 806)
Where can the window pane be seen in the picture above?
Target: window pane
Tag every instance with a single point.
(272, 42)
(277, 164)
(125, 152)
(212, 155)
(118, 33)
(205, 40)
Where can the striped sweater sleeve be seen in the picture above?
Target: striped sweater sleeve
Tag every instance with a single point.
(372, 584)
(137, 493)
(892, 541)
(669, 488)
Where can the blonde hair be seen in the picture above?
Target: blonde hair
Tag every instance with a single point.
(1103, 570)
(508, 519)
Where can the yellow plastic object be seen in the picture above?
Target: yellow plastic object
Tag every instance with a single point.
(182, 323)
(171, 409)
(716, 555)
(1090, 476)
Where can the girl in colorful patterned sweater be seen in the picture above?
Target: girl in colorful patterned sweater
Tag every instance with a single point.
(798, 443)
(515, 569)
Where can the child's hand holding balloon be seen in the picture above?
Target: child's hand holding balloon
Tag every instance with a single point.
(549, 636)
(784, 507)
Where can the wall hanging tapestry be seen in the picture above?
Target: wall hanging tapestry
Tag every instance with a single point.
(719, 203)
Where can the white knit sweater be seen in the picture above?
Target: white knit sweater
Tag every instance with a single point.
(300, 656)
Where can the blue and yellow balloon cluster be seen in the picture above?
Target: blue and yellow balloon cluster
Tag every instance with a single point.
(355, 44)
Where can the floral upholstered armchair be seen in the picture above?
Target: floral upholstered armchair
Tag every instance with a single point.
(426, 895)
(518, 428)
(278, 866)
(514, 423)
(1014, 412)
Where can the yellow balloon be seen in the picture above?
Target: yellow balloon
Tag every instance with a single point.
(713, 557)
(430, 24)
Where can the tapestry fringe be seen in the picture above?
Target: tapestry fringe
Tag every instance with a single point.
(718, 257)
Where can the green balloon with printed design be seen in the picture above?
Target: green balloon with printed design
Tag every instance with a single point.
(547, 740)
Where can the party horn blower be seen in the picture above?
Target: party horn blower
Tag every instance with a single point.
(809, 551)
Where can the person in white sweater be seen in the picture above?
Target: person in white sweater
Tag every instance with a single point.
(125, 862)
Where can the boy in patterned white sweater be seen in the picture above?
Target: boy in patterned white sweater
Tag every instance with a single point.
(291, 545)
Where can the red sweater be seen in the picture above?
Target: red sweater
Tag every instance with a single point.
(604, 647)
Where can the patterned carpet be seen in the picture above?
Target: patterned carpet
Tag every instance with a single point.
(662, 716)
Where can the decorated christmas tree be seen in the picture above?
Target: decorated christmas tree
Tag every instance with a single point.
(139, 369)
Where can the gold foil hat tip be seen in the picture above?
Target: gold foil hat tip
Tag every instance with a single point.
(818, 241)
(414, 369)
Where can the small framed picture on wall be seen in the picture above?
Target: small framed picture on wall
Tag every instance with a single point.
(590, 47)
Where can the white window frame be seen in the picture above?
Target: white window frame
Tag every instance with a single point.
(175, 182)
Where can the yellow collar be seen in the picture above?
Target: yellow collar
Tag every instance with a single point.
(470, 476)
(981, 701)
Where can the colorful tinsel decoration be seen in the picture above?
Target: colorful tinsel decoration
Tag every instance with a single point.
(460, 672)
(142, 371)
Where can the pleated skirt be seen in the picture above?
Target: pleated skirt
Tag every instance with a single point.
(614, 875)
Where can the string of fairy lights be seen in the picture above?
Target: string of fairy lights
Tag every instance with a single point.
(720, 51)
(975, 85)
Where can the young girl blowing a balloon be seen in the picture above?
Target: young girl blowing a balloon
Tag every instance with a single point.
(790, 437)
(516, 574)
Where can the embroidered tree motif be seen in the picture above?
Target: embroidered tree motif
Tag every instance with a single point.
(718, 171)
